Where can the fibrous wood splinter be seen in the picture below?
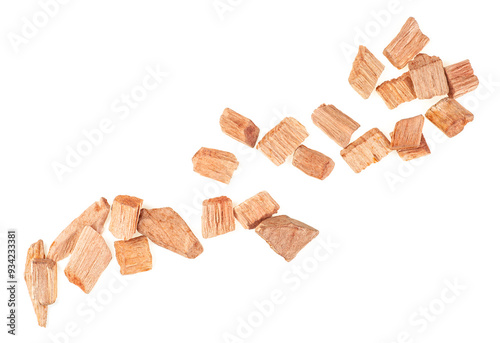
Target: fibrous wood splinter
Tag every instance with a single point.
(255, 209)
(449, 116)
(413, 153)
(312, 162)
(35, 251)
(337, 125)
(215, 164)
(44, 272)
(217, 217)
(428, 77)
(407, 133)
(133, 255)
(125, 216)
(461, 79)
(397, 91)
(239, 127)
(366, 69)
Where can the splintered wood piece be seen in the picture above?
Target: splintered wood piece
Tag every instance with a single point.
(367, 149)
(217, 217)
(428, 77)
(366, 69)
(255, 209)
(286, 236)
(408, 43)
(461, 79)
(407, 133)
(312, 162)
(44, 273)
(397, 91)
(282, 140)
(166, 228)
(413, 153)
(94, 216)
(89, 259)
(215, 164)
(239, 127)
(35, 251)
(449, 116)
(335, 124)
(125, 216)
(133, 255)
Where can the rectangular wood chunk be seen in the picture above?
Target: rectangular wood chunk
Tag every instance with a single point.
(125, 216)
(449, 116)
(217, 217)
(428, 77)
(133, 255)
(367, 149)
(166, 228)
(461, 79)
(397, 91)
(407, 133)
(413, 153)
(215, 164)
(282, 140)
(239, 127)
(44, 273)
(406, 45)
(35, 251)
(89, 259)
(312, 162)
(337, 125)
(366, 69)
(255, 209)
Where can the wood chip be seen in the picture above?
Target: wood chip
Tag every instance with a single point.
(366, 69)
(407, 133)
(35, 251)
(215, 164)
(239, 127)
(312, 162)
(44, 272)
(94, 216)
(125, 216)
(397, 91)
(449, 116)
(217, 217)
(335, 124)
(133, 255)
(166, 228)
(286, 236)
(282, 140)
(428, 76)
(408, 43)
(89, 259)
(413, 153)
(461, 79)
(255, 209)
(367, 149)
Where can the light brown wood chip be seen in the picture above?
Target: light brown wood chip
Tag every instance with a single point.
(255, 209)
(35, 251)
(217, 217)
(164, 227)
(335, 124)
(44, 273)
(286, 236)
(461, 79)
(282, 140)
(215, 164)
(428, 77)
(312, 162)
(94, 216)
(449, 116)
(397, 91)
(407, 133)
(367, 149)
(125, 216)
(239, 127)
(133, 255)
(408, 43)
(366, 69)
(89, 259)
(413, 153)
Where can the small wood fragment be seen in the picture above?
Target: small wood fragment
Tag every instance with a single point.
(408, 133)
(286, 236)
(461, 79)
(282, 140)
(44, 273)
(125, 216)
(337, 125)
(217, 217)
(449, 116)
(397, 91)
(367, 149)
(428, 76)
(35, 251)
(413, 153)
(215, 164)
(366, 69)
(255, 209)
(406, 45)
(239, 127)
(312, 162)
(133, 255)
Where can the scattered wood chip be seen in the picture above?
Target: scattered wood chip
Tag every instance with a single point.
(255, 209)
(312, 162)
(94, 216)
(449, 116)
(367, 149)
(89, 259)
(286, 236)
(217, 217)
(35, 251)
(133, 255)
(407, 133)
(413, 153)
(406, 45)
(125, 216)
(335, 124)
(44, 272)
(215, 164)
(282, 140)
(428, 76)
(397, 91)
(239, 127)
(366, 69)
(164, 227)
(461, 79)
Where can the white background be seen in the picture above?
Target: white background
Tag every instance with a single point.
(398, 242)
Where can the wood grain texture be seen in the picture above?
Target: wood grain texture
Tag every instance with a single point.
(125, 216)
(312, 162)
(413, 153)
(335, 124)
(35, 251)
(217, 217)
(134, 255)
(239, 127)
(366, 69)
(408, 133)
(215, 164)
(449, 116)
(428, 76)
(44, 272)
(397, 91)
(255, 209)
(461, 79)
